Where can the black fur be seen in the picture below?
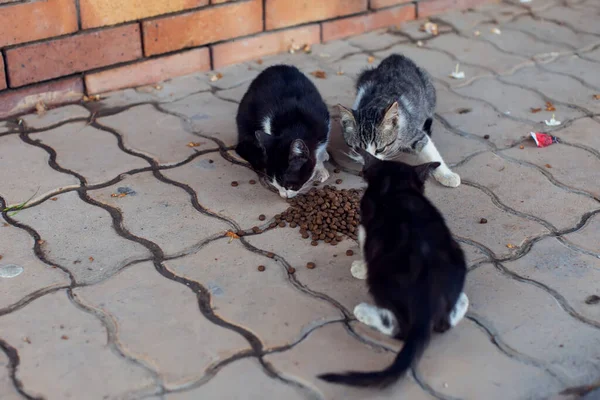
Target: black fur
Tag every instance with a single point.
(299, 118)
(415, 268)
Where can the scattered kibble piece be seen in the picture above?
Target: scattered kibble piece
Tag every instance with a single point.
(91, 259)
(282, 224)
(338, 181)
(210, 161)
(593, 299)
(483, 221)
(261, 268)
(535, 110)
(310, 265)
(291, 270)
(486, 136)
(548, 166)
(349, 253)
(234, 183)
(370, 59)
(64, 337)
(336, 171)
(319, 74)
(270, 255)
(521, 147)
(54, 198)
(314, 243)
(252, 182)
(255, 229)
(262, 217)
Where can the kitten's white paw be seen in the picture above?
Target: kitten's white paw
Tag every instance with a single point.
(377, 318)
(446, 177)
(366, 314)
(322, 175)
(359, 269)
(459, 310)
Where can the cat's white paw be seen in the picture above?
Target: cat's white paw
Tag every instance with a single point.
(322, 175)
(366, 314)
(460, 310)
(377, 318)
(446, 177)
(359, 269)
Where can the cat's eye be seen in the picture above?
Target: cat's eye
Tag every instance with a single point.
(379, 151)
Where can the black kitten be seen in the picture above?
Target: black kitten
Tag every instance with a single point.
(414, 269)
(283, 129)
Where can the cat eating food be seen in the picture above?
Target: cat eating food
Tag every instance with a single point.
(393, 113)
(283, 129)
(414, 269)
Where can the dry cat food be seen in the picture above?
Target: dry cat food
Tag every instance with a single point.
(325, 214)
(310, 265)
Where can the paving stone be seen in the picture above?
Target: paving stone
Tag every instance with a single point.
(184, 344)
(453, 147)
(332, 349)
(527, 190)
(217, 175)
(63, 352)
(501, 12)
(251, 384)
(376, 40)
(532, 322)
(234, 94)
(208, 115)
(7, 389)
(159, 135)
(18, 161)
(552, 32)
(414, 31)
(587, 236)
(592, 55)
(478, 118)
(522, 44)
(333, 51)
(80, 237)
(335, 89)
(452, 359)
(16, 248)
(571, 166)
(55, 116)
(577, 67)
(479, 53)
(560, 87)
(232, 76)
(438, 64)
(160, 212)
(465, 206)
(576, 20)
(351, 67)
(464, 21)
(569, 272)
(272, 300)
(515, 101)
(97, 163)
(582, 132)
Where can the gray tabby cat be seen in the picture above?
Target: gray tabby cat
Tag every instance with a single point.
(393, 113)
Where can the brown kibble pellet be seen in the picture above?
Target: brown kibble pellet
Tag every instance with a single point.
(262, 217)
(293, 224)
(548, 166)
(338, 181)
(261, 268)
(314, 243)
(270, 255)
(282, 224)
(255, 229)
(305, 235)
(486, 136)
(311, 265)
(291, 270)
(234, 183)
(272, 225)
(64, 337)
(349, 253)
(240, 233)
(252, 182)
(211, 161)
(483, 221)
(521, 147)
(337, 170)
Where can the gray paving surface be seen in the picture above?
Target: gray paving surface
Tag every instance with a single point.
(131, 289)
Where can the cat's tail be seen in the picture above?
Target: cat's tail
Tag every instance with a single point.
(414, 345)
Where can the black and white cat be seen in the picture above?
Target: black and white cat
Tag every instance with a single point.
(393, 114)
(283, 129)
(415, 270)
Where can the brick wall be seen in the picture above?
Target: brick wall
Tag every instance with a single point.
(55, 50)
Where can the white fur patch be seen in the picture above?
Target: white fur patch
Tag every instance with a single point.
(442, 174)
(362, 237)
(359, 269)
(377, 318)
(359, 96)
(459, 310)
(266, 125)
(297, 148)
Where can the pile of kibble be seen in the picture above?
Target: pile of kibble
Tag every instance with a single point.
(326, 214)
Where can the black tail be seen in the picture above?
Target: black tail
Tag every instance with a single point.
(415, 343)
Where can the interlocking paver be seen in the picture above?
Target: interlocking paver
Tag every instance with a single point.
(514, 101)
(16, 248)
(254, 384)
(98, 163)
(17, 161)
(165, 306)
(159, 212)
(181, 346)
(208, 115)
(156, 134)
(332, 349)
(571, 273)
(526, 190)
(55, 116)
(63, 352)
(79, 237)
(269, 295)
(536, 325)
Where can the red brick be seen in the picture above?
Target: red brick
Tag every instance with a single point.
(2, 77)
(284, 13)
(209, 25)
(432, 7)
(25, 22)
(363, 23)
(147, 72)
(65, 56)
(55, 93)
(263, 45)
(387, 3)
(95, 13)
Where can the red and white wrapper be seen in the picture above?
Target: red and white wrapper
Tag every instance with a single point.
(543, 139)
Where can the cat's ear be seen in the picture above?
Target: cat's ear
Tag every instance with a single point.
(299, 151)
(264, 139)
(388, 127)
(424, 170)
(348, 124)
